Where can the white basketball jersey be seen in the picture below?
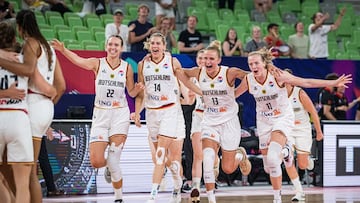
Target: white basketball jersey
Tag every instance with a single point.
(271, 100)
(161, 85)
(6, 79)
(43, 67)
(218, 96)
(302, 118)
(110, 85)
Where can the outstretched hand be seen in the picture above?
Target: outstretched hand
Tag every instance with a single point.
(343, 80)
(57, 45)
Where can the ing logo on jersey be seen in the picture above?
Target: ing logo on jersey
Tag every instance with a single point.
(263, 91)
(112, 76)
(255, 88)
(294, 99)
(220, 79)
(163, 98)
(271, 84)
(121, 72)
(115, 104)
(103, 71)
(147, 66)
(212, 85)
(166, 66)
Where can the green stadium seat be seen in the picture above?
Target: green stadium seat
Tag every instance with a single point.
(73, 21)
(68, 15)
(133, 12)
(78, 28)
(40, 19)
(84, 35)
(60, 27)
(55, 20)
(74, 47)
(99, 36)
(309, 10)
(129, 5)
(221, 31)
(94, 47)
(211, 18)
(49, 34)
(92, 22)
(243, 18)
(345, 29)
(247, 5)
(48, 14)
(63, 35)
(85, 43)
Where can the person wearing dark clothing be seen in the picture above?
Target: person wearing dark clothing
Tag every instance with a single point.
(190, 39)
(6, 10)
(143, 29)
(326, 102)
(47, 170)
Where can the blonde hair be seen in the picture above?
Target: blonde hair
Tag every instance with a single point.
(156, 34)
(215, 46)
(265, 54)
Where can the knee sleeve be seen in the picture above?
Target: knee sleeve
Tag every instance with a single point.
(266, 165)
(113, 162)
(160, 155)
(208, 162)
(175, 168)
(273, 159)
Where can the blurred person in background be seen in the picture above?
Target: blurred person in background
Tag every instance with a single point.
(232, 45)
(256, 42)
(299, 42)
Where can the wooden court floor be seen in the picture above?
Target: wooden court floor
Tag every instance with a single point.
(246, 194)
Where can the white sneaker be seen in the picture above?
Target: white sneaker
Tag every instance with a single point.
(288, 160)
(176, 197)
(299, 197)
(310, 164)
(107, 175)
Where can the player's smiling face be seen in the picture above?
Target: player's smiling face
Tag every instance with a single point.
(157, 46)
(113, 46)
(211, 59)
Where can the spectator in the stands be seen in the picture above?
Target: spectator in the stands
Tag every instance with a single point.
(117, 28)
(263, 6)
(299, 42)
(165, 8)
(190, 39)
(274, 42)
(318, 34)
(256, 42)
(6, 11)
(232, 46)
(142, 29)
(230, 4)
(166, 30)
(46, 5)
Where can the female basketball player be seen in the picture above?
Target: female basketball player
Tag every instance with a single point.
(111, 116)
(164, 116)
(40, 64)
(275, 117)
(220, 125)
